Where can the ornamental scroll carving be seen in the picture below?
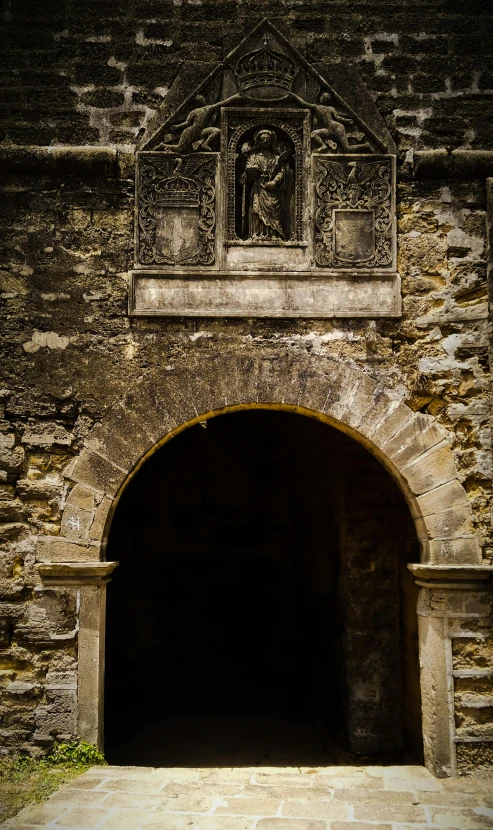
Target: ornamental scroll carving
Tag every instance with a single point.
(176, 215)
(354, 212)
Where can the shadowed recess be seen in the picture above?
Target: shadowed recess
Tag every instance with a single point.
(262, 611)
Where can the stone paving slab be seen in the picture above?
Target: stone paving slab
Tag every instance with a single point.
(263, 798)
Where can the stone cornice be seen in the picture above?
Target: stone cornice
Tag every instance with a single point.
(452, 164)
(76, 573)
(85, 162)
(89, 162)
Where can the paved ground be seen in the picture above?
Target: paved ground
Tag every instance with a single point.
(264, 798)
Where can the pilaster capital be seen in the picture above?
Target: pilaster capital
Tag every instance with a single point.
(70, 574)
(459, 577)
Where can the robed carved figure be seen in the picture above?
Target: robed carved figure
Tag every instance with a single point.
(264, 187)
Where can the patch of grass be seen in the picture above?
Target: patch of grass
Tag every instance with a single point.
(25, 780)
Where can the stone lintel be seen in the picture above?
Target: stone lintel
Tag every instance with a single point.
(455, 164)
(76, 573)
(467, 577)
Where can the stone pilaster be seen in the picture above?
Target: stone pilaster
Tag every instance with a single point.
(450, 594)
(89, 580)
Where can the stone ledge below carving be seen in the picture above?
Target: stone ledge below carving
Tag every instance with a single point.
(264, 296)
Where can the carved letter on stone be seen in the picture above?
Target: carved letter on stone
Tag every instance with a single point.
(354, 219)
(176, 217)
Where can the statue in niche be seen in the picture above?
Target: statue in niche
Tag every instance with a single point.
(329, 127)
(197, 131)
(264, 182)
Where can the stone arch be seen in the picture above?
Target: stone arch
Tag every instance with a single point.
(413, 447)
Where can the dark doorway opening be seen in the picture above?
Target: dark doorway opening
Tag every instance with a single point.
(262, 611)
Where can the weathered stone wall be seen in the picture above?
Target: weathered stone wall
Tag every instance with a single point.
(94, 74)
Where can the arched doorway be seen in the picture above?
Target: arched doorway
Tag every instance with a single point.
(262, 610)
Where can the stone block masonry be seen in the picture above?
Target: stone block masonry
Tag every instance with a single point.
(97, 73)
(80, 84)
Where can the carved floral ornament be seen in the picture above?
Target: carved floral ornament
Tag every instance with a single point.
(266, 168)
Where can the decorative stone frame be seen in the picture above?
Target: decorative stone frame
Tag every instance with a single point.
(153, 173)
(371, 195)
(413, 448)
(292, 278)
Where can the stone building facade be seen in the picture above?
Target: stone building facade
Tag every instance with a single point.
(109, 356)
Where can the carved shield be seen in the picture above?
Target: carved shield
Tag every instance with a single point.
(177, 237)
(354, 234)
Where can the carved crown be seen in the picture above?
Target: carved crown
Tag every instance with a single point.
(179, 191)
(265, 73)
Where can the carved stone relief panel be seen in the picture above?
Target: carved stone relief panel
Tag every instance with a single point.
(354, 211)
(266, 174)
(176, 214)
(265, 153)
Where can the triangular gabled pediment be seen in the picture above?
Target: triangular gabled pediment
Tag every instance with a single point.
(264, 49)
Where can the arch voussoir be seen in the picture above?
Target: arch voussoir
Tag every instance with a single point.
(451, 523)
(97, 473)
(380, 407)
(341, 383)
(383, 431)
(121, 438)
(356, 396)
(231, 382)
(142, 417)
(430, 469)
(318, 382)
(413, 447)
(281, 381)
(446, 496)
(173, 396)
(419, 435)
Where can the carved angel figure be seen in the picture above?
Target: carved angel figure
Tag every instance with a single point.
(265, 175)
(197, 132)
(329, 126)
